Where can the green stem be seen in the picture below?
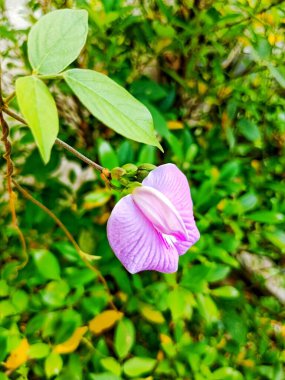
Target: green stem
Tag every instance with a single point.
(54, 76)
(9, 98)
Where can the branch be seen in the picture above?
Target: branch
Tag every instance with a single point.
(64, 145)
(8, 176)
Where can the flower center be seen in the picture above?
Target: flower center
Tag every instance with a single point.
(160, 212)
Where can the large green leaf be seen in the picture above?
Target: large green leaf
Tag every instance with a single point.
(57, 39)
(112, 105)
(39, 109)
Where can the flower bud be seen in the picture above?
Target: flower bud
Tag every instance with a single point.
(117, 173)
(131, 169)
(144, 170)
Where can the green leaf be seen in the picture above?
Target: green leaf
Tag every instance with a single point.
(111, 364)
(269, 217)
(226, 373)
(4, 288)
(112, 105)
(47, 264)
(248, 129)
(207, 308)
(20, 300)
(277, 238)
(218, 272)
(147, 154)
(225, 292)
(124, 337)
(139, 366)
(195, 278)
(179, 303)
(38, 351)
(39, 109)
(107, 155)
(56, 40)
(53, 364)
(55, 293)
(248, 201)
(277, 74)
(7, 309)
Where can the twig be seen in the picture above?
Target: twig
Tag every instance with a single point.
(79, 155)
(62, 144)
(10, 97)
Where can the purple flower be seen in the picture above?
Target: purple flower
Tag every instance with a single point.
(150, 228)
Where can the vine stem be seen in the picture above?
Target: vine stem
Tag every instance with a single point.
(8, 176)
(64, 145)
(105, 175)
(84, 256)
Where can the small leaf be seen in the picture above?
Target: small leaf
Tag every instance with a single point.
(139, 366)
(269, 217)
(57, 39)
(53, 364)
(39, 109)
(226, 373)
(20, 300)
(111, 364)
(225, 292)
(207, 308)
(124, 337)
(104, 321)
(108, 157)
(39, 351)
(277, 74)
(152, 315)
(112, 105)
(248, 129)
(179, 303)
(47, 264)
(72, 343)
(18, 356)
(96, 199)
(277, 238)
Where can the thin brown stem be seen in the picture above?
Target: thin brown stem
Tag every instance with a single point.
(63, 145)
(79, 155)
(8, 176)
(10, 97)
(84, 256)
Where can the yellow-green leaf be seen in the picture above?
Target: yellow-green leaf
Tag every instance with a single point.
(112, 105)
(151, 314)
(39, 109)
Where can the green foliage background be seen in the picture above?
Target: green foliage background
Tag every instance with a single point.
(212, 75)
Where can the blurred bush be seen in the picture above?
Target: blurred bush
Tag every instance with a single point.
(212, 75)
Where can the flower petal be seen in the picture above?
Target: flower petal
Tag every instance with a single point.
(136, 242)
(171, 182)
(158, 209)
